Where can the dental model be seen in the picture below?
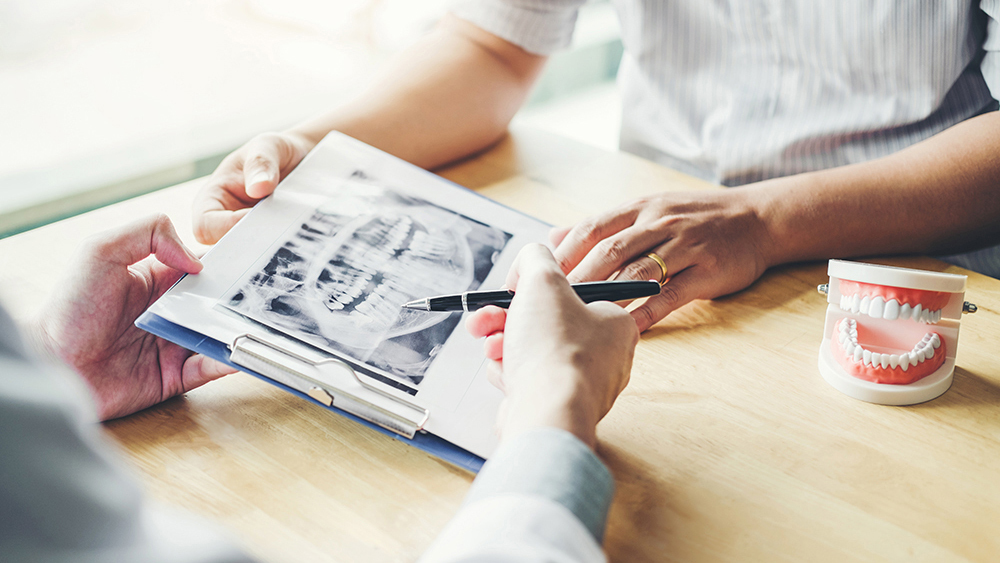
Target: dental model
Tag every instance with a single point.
(891, 333)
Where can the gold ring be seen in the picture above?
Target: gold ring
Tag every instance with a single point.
(663, 267)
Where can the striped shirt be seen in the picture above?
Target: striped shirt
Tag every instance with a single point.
(738, 92)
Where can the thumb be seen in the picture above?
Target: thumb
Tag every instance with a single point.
(261, 166)
(137, 240)
(535, 262)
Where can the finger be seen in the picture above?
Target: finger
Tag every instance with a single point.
(199, 370)
(223, 194)
(557, 234)
(493, 346)
(137, 240)
(486, 321)
(612, 253)
(210, 225)
(645, 268)
(582, 238)
(679, 291)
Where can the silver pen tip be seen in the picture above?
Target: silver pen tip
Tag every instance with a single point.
(418, 304)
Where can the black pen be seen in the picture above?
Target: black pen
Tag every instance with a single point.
(588, 292)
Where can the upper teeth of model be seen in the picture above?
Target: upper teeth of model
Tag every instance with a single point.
(879, 308)
(848, 335)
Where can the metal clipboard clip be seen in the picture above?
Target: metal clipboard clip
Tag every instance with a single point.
(329, 381)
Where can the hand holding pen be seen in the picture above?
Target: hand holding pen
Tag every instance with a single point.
(559, 362)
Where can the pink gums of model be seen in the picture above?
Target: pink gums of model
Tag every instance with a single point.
(853, 349)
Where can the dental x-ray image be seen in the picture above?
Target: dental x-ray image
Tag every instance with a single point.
(339, 281)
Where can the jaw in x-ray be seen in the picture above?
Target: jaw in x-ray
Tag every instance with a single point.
(341, 279)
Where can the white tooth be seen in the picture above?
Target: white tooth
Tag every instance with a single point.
(893, 360)
(914, 358)
(867, 355)
(916, 312)
(877, 307)
(859, 352)
(876, 359)
(928, 352)
(936, 341)
(937, 316)
(904, 361)
(891, 310)
(849, 348)
(866, 301)
(884, 360)
(919, 355)
(855, 303)
(904, 311)
(842, 337)
(844, 303)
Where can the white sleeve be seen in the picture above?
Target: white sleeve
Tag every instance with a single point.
(538, 26)
(543, 496)
(63, 495)
(991, 59)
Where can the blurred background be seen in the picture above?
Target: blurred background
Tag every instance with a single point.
(101, 100)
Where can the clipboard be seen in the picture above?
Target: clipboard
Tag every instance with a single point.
(319, 393)
(448, 409)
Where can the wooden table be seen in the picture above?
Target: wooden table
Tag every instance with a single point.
(726, 446)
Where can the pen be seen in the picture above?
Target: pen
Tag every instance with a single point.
(589, 292)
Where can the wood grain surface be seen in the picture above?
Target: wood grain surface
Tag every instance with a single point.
(727, 444)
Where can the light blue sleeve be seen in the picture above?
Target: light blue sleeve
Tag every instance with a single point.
(538, 26)
(551, 464)
(63, 494)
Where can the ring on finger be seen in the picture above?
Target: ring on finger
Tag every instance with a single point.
(664, 273)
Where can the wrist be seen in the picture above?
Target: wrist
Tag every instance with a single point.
(779, 210)
(564, 406)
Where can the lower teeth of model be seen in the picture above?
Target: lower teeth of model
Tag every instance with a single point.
(848, 336)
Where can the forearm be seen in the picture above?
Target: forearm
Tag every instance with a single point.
(450, 95)
(940, 195)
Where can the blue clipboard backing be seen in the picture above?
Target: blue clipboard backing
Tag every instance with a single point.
(197, 342)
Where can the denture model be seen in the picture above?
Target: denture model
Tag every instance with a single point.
(891, 333)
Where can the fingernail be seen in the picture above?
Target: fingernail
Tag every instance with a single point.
(258, 178)
(191, 255)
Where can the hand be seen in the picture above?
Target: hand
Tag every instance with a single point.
(712, 244)
(89, 324)
(243, 178)
(560, 363)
